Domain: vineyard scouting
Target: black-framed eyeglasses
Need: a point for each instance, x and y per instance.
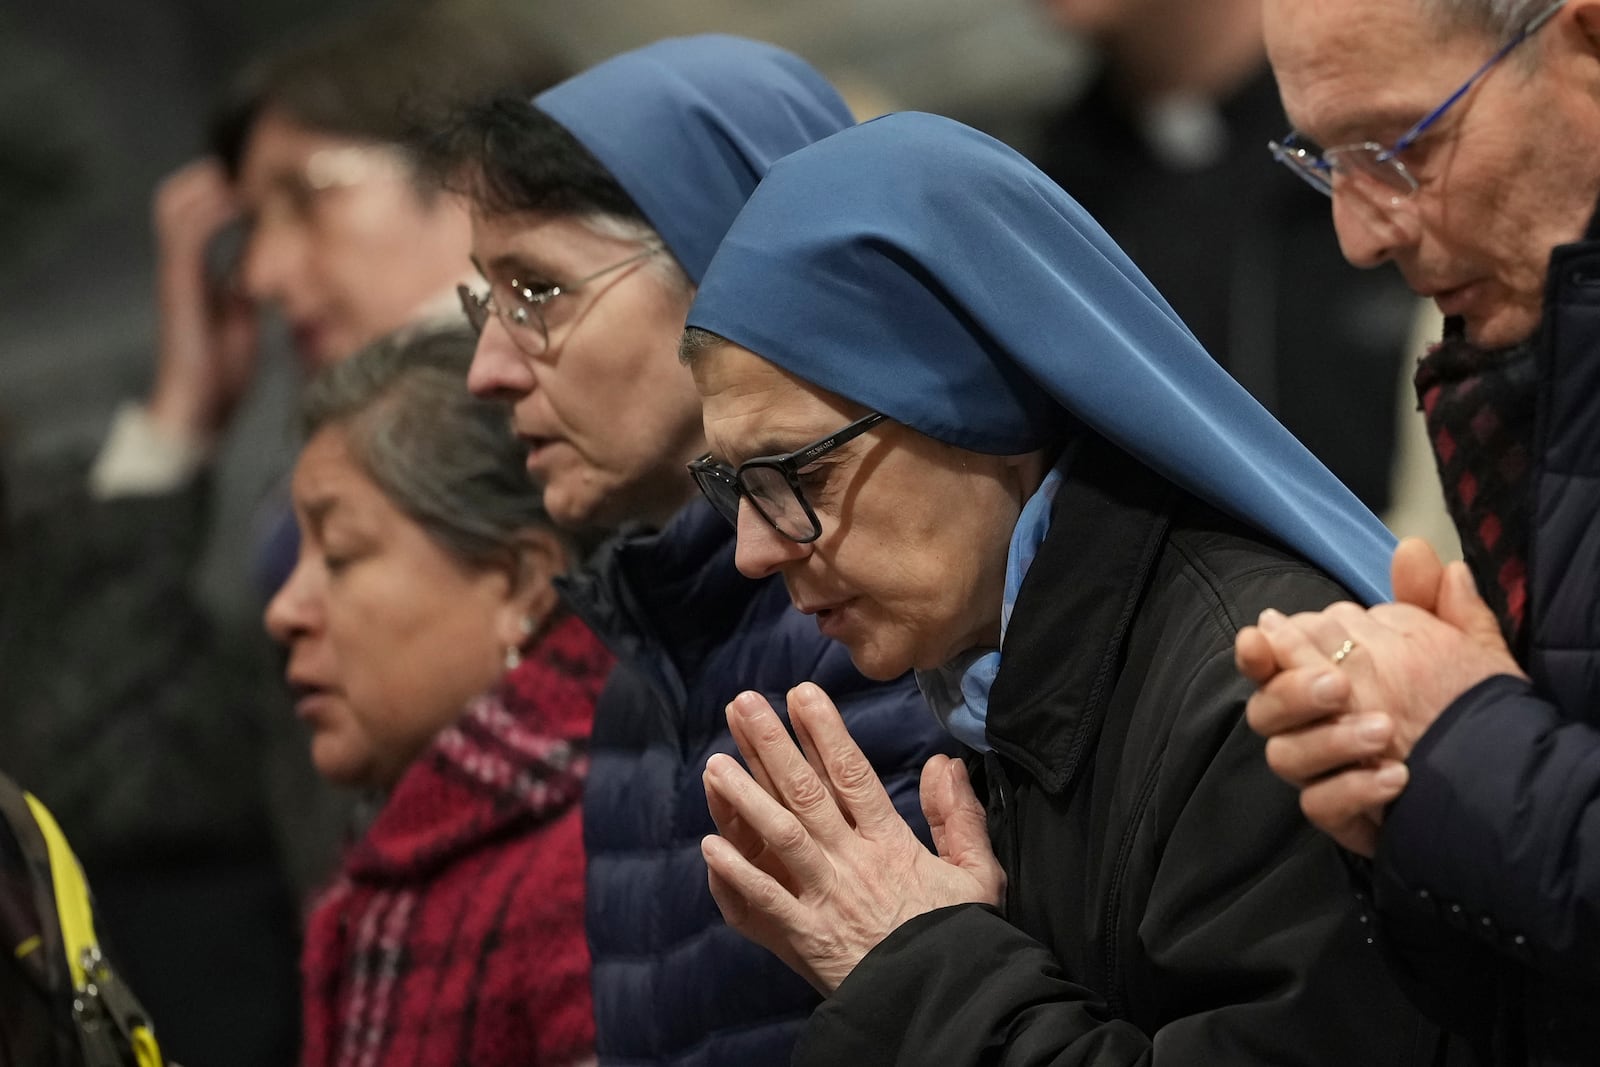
(521, 309)
(772, 483)
(1371, 159)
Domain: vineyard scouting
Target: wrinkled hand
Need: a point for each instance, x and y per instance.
(207, 344)
(1340, 733)
(812, 861)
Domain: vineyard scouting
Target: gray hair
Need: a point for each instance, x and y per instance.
(1496, 18)
(443, 457)
(695, 341)
(668, 271)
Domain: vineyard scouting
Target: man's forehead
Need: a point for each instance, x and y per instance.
(1306, 29)
(1354, 68)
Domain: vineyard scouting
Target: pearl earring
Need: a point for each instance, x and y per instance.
(514, 652)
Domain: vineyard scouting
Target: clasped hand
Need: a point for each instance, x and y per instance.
(1340, 731)
(812, 861)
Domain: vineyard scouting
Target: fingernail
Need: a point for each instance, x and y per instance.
(1392, 776)
(747, 704)
(1270, 620)
(1325, 690)
(1373, 729)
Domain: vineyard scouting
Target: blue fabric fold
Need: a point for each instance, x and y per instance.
(688, 126)
(925, 270)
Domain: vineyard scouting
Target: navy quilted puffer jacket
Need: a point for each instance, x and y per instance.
(1497, 836)
(672, 984)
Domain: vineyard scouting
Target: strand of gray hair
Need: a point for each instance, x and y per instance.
(1497, 18)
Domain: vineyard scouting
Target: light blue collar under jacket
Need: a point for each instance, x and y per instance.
(958, 692)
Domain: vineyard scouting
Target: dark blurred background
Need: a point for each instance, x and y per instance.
(99, 100)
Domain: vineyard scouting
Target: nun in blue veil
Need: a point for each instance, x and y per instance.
(595, 214)
(975, 442)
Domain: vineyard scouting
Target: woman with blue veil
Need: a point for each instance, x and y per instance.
(976, 443)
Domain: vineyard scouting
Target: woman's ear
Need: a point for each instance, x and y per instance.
(532, 598)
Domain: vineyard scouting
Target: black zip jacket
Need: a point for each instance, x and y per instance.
(1167, 901)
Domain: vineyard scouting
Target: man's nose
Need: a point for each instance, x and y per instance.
(1373, 225)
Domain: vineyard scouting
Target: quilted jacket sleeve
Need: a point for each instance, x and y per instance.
(1498, 832)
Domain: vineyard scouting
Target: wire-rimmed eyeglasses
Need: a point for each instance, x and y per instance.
(521, 309)
(1371, 159)
(772, 483)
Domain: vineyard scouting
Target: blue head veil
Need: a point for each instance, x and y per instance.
(927, 271)
(688, 126)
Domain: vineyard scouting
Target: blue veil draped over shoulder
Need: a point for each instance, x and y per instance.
(688, 125)
(925, 270)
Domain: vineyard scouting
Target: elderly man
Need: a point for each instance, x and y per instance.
(1456, 740)
(595, 212)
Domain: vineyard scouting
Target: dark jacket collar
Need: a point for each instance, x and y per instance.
(1072, 616)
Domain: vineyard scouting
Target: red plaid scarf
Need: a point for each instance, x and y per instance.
(1479, 405)
(454, 933)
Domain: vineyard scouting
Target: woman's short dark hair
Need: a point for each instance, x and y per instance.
(443, 457)
(507, 157)
(382, 76)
